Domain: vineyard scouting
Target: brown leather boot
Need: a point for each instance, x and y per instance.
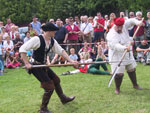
(64, 99)
(132, 76)
(118, 81)
(45, 101)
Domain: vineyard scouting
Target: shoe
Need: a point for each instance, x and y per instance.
(66, 73)
(137, 87)
(117, 91)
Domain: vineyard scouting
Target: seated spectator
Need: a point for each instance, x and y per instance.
(93, 53)
(143, 52)
(101, 49)
(32, 31)
(86, 45)
(12, 33)
(85, 56)
(17, 42)
(27, 37)
(8, 46)
(73, 56)
(11, 61)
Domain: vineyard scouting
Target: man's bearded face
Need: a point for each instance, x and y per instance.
(119, 29)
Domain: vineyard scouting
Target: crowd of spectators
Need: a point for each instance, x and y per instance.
(82, 37)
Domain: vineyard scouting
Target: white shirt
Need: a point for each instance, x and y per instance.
(10, 45)
(87, 27)
(34, 43)
(117, 43)
(106, 24)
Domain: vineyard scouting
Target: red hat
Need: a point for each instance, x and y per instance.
(119, 21)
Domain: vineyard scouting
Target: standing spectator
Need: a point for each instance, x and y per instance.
(111, 21)
(90, 20)
(61, 34)
(147, 26)
(8, 25)
(86, 29)
(76, 21)
(99, 28)
(66, 22)
(1, 56)
(122, 15)
(131, 29)
(36, 25)
(140, 35)
(73, 34)
(52, 21)
(106, 22)
(27, 37)
(32, 31)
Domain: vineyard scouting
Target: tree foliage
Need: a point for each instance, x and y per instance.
(22, 11)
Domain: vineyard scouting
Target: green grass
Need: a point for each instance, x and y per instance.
(21, 93)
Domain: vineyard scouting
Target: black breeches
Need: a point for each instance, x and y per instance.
(43, 74)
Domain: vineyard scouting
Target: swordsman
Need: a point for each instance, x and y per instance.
(41, 45)
(118, 42)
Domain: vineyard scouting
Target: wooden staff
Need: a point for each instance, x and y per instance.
(118, 66)
(60, 65)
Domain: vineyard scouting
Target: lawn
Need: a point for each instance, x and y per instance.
(21, 93)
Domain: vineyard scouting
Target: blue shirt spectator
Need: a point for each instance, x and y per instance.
(36, 25)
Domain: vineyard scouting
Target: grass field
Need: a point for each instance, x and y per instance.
(21, 93)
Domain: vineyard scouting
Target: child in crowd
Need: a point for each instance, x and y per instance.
(11, 61)
(73, 56)
(85, 56)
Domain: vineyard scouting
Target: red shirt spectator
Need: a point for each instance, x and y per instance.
(140, 31)
(100, 28)
(72, 36)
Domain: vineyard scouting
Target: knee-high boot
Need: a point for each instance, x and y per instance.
(45, 101)
(132, 76)
(118, 81)
(64, 99)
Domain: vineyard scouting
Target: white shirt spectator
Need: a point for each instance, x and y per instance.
(86, 27)
(10, 45)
